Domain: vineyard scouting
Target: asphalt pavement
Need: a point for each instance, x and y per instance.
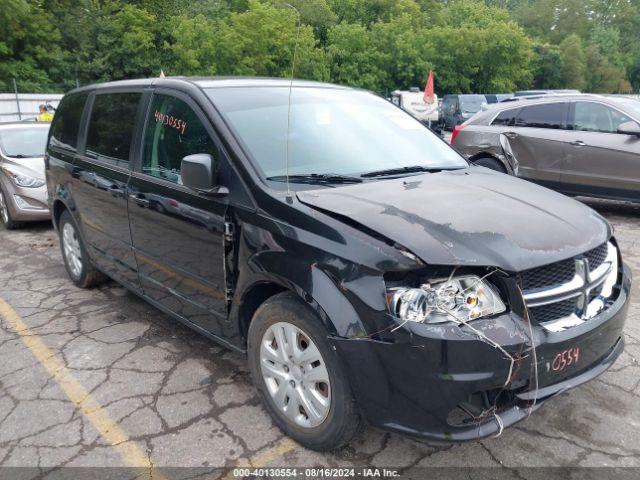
(99, 378)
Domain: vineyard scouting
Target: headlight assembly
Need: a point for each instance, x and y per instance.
(458, 298)
(22, 180)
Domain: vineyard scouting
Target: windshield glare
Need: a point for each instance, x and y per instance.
(471, 104)
(23, 142)
(333, 131)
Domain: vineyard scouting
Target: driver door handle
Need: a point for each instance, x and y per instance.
(139, 200)
(578, 143)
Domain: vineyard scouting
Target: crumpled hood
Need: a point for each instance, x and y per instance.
(469, 217)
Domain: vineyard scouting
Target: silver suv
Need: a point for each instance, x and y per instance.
(576, 144)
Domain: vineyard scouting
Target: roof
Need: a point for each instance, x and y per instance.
(209, 82)
(517, 102)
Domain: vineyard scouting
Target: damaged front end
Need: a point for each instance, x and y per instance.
(465, 353)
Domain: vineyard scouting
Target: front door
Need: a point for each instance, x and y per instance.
(600, 160)
(100, 175)
(537, 141)
(178, 233)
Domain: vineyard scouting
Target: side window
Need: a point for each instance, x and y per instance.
(596, 117)
(66, 121)
(505, 118)
(112, 125)
(173, 131)
(547, 115)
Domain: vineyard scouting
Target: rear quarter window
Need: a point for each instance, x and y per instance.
(505, 118)
(66, 122)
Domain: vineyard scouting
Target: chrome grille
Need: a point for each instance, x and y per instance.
(559, 272)
(567, 293)
(547, 275)
(596, 256)
(552, 311)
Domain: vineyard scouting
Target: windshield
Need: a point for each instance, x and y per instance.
(335, 131)
(23, 142)
(630, 105)
(472, 104)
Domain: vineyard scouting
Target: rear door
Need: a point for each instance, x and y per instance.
(178, 233)
(100, 176)
(537, 141)
(63, 144)
(601, 161)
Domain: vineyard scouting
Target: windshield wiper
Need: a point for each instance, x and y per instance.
(317, 178)
(400, 171)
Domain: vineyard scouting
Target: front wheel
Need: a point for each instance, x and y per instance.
(74, 254)
(299, 376)
(5, 215)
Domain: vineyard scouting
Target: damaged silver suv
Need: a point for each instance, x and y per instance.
(374, 275)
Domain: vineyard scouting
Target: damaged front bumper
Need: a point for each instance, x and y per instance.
(442, 382)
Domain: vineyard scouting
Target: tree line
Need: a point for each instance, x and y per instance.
(485, 46)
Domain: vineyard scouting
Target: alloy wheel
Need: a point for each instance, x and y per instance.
(295, 375)
(4, 212)
(72, 251)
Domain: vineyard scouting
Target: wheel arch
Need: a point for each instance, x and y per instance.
(497, 158)
(319, 293)
(56, 212)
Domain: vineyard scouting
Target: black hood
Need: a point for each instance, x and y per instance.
(469, 217)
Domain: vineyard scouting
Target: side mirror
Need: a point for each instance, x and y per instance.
(197, 172)
(629, 128)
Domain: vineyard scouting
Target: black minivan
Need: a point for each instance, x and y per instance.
(367, 270)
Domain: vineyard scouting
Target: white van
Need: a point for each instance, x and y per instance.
(413, 102)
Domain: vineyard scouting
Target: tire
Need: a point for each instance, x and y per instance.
(74, 254)
(5, 214)
(340, 420)
(491, 163)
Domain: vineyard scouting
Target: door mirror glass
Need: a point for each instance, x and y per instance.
(629, 128)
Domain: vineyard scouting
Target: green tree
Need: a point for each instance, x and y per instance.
(28, 46)
(547, 66)
(574, 68)
(353, 59)
(261, 41)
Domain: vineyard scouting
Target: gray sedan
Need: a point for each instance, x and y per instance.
(578, 144)
(23, 192)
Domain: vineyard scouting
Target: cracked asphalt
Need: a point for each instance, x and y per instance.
(166, 397)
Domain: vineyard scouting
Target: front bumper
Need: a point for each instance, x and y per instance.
(417, 386)
(26, 204)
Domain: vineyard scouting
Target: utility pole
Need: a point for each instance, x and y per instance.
(15, 89)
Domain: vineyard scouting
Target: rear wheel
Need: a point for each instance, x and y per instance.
(74, 254)
(491, 163)
(5, 215)
(299, 376)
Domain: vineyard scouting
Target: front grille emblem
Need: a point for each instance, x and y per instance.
(583, 271)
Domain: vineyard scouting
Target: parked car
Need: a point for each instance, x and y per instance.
(367, 270)
(23, 192)
(497, 97)
(578, 145)
(413, 102)
(456, 109)
(529, 93)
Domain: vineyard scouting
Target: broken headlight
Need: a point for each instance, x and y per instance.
(458, 298)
